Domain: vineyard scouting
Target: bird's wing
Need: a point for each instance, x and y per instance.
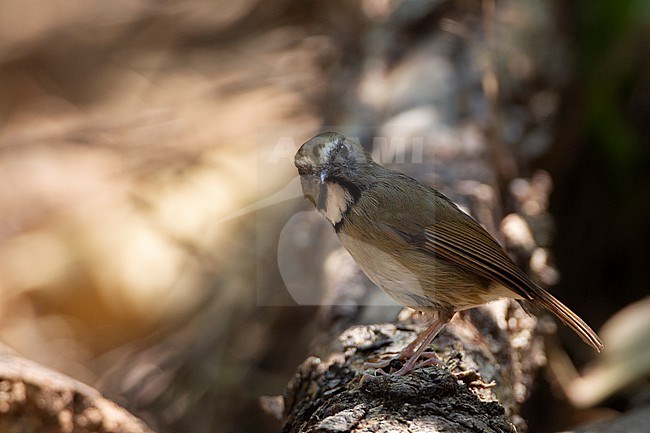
(441, 229)
(471, 247)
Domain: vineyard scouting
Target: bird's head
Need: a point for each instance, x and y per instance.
(330, 167)
(330, 156)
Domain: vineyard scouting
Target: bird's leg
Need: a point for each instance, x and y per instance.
(403, 355)
(416, 348)
(425, 338)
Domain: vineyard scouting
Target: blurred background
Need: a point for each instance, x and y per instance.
(146, 175)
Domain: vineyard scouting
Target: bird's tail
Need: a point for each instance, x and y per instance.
(571, 319)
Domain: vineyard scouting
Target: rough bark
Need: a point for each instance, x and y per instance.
(491, 355)
(36, 399)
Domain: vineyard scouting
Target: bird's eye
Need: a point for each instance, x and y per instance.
(345, 152)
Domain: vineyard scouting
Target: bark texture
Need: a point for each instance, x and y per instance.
(491, 356)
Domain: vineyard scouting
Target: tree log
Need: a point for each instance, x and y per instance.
(491, 355)
(36, 399)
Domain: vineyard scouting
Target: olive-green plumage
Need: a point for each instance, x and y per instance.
(411, 240)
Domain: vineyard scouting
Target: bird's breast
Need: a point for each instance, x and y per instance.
(330, 198)
(387, 272)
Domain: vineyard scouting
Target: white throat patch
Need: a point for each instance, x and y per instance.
(337, 203)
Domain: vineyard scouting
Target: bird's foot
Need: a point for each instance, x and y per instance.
(412, 363)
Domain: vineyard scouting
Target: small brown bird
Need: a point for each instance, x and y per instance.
(413, 242)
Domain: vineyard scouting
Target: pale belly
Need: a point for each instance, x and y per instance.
(388, 273)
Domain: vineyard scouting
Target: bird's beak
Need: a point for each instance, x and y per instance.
(313, 186)
(322, 176)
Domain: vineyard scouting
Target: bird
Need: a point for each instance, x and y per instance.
(414, 242)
